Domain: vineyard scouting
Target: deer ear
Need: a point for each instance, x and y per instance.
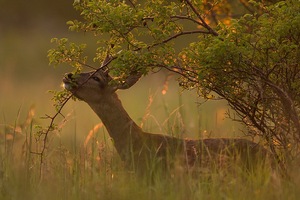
(107, 76)
(129, 81)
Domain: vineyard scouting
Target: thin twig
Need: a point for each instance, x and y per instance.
(186, 18)
(107, 60)
(180, 34)
(205, 25)
(173, 37)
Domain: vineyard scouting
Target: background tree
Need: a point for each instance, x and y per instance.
(252, 61)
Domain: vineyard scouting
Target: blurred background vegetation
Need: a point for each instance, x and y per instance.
(25, 32)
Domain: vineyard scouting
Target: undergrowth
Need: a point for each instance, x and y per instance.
(93, 170)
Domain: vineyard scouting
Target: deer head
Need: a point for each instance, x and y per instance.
(94, 85)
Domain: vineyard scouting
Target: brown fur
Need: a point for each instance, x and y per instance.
(139, 149)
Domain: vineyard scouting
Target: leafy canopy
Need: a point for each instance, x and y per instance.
(139, 35)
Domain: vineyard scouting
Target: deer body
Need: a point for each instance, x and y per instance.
(136, 147)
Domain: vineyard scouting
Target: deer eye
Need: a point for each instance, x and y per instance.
(96, 78)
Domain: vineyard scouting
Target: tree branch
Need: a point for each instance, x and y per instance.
(186, 18)
(178, 35)
(204, 24)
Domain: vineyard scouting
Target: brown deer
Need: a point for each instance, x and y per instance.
(139, 149)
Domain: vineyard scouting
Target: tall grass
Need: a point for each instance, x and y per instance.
(93, 170)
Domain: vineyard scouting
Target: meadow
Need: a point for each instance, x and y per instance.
(81, 162)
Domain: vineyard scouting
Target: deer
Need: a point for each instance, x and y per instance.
(140, 150)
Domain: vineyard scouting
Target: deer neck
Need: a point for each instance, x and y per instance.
(116, 120)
